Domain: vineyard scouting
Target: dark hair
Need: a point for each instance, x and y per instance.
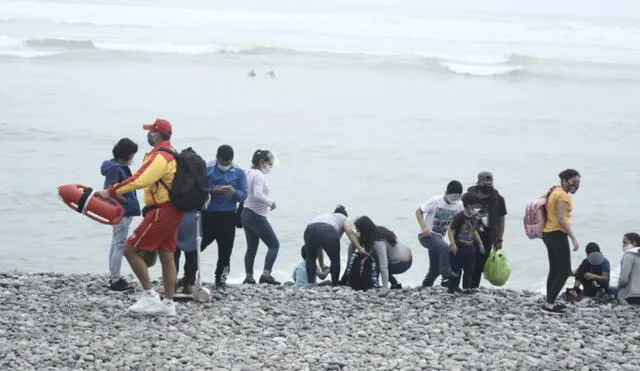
(340, 210)
(225, 153)
(592, 247)
(370, 233)
(124, 149)
(261, 155)
(454, 186)
(164, 136)
(470, 198)
(634, 238)
(303, 252)
(568, 174)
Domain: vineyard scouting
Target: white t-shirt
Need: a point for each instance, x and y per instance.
(438, 214)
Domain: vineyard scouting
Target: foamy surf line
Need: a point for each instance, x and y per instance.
(489, 65)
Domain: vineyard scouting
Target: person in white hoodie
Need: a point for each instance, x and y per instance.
(629, 280)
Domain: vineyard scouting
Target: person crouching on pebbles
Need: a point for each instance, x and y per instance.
(324, 232)
(462, 235)
(159, 228)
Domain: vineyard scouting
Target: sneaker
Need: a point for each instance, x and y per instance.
(187, 289)
(444, 283)
(469, 291)
(249, 281)
(457, 290)
(147, 300)
(220, 284)
(397, 286)
(561, 306)
(269, 280)
(555, 310)
(120, 285)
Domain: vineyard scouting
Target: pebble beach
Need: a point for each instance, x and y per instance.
(72, 322)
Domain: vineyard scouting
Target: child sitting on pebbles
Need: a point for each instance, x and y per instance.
(462, 235)
(300, 271)
(593, 272)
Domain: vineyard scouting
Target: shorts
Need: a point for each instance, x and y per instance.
(158, 230)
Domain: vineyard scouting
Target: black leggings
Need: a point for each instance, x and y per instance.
(559, 253)
(220, 227)
(322, 235)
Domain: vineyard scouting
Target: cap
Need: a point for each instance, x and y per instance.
(454, 187)
(485, 176)
(160, 125)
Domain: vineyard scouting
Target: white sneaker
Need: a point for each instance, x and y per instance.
(168, 308)
(147, 300)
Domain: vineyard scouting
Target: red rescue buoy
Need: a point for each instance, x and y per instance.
(83, 200)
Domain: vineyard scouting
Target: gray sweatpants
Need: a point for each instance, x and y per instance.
(119, 239)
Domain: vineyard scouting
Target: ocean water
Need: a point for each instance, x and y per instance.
(375, 105)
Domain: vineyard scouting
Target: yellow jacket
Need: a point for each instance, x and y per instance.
(157, 165)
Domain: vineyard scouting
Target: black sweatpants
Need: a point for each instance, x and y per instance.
(190, 266)
(219, 227)
(462, 265)
(322, 235)
(557, 243)
(488, 239)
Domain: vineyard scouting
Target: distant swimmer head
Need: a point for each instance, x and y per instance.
(570, 180)
(341, 210)
(264, 160)
(252, 73)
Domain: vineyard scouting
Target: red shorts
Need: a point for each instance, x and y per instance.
(158, 230)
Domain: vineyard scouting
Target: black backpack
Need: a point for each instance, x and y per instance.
(361, 272)
(189, 190)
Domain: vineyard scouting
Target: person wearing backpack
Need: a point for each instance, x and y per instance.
(158, 230)
(392, 256)
(434, 217)
(324, 233)
(556, 235)
(227, 183)
(254, 217)
(492, 214)
(117, 170)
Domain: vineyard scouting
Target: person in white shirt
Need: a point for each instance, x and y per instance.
(254, 217)
(434, 218)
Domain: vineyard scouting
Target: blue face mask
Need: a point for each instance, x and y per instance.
(224, 168)
(150, 140)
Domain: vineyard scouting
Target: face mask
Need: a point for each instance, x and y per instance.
(150, 139)
(573, 188)
(476, 210)
(453, 198)
(224, 168)
(627, 247)
(266, 169)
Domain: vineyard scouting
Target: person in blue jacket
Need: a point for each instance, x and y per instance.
(117, 170)
(228, 186)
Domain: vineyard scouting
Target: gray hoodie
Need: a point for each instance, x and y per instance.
(629, 281)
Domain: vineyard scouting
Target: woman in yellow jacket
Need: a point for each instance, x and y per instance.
(557, 232)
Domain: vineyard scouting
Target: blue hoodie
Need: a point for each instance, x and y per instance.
(115, 172)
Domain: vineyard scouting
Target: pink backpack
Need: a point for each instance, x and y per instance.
(535, 216)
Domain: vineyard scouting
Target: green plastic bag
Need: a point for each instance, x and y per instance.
(497, 270)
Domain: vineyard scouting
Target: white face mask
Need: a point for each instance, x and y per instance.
(224, 168)
(627, 247)
(453, 198)
(266, 169)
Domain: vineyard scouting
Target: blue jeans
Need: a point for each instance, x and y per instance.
(438, 258)
(119, 239)
(463, 260)
(256, 228)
